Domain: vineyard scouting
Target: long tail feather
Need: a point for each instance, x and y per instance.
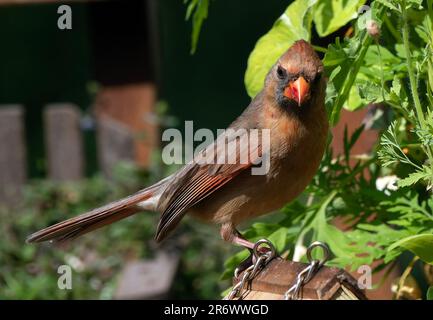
(94, 219)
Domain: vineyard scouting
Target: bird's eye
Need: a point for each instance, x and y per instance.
(281, 73)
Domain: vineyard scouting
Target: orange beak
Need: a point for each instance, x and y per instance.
(297, 90)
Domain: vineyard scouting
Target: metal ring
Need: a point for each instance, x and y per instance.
(257, 254)
(325, 249)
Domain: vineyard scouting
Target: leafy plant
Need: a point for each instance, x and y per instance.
(385, 63)
(30, 271)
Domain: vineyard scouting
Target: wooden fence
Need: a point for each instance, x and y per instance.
(63, 146)
(140, 279)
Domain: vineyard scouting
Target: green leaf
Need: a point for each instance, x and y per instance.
(328, 233)
(200, 9)
(278, 239)
(389, 4)
(374, 52)
(344, 55)
(335, 55)
(355, 136)
(396, 86)
(294, 24)
(417, 4)
(232, 262)
(421, 245)
(331, 15)
(414, 178)
(430, 293)
(354, 100)
(369, 91)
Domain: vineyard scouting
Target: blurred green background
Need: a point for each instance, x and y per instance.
(41, 64)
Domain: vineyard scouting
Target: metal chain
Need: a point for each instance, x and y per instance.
(294, 292)
(251, 272)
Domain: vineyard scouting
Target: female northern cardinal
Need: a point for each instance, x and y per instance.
(291, 106)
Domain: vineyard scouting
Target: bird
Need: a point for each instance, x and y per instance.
(291, 106)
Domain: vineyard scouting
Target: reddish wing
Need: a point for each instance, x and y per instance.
(197, 181)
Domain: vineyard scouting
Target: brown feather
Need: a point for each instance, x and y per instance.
(94, 219)
(195, 182)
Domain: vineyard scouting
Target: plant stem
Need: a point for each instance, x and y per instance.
(386, 274)
(353, 72)
(430, 10)
(410, 71)
(349, 179)
(320, 49)
(391, 29)
(382, 76)
(412, 79)
(403, 277)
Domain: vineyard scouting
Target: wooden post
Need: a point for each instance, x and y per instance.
(115, 144)
(13, 169)
(148, 279)
(63, 142)
(132, 105)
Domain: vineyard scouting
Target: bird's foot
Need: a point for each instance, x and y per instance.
(257, 250)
